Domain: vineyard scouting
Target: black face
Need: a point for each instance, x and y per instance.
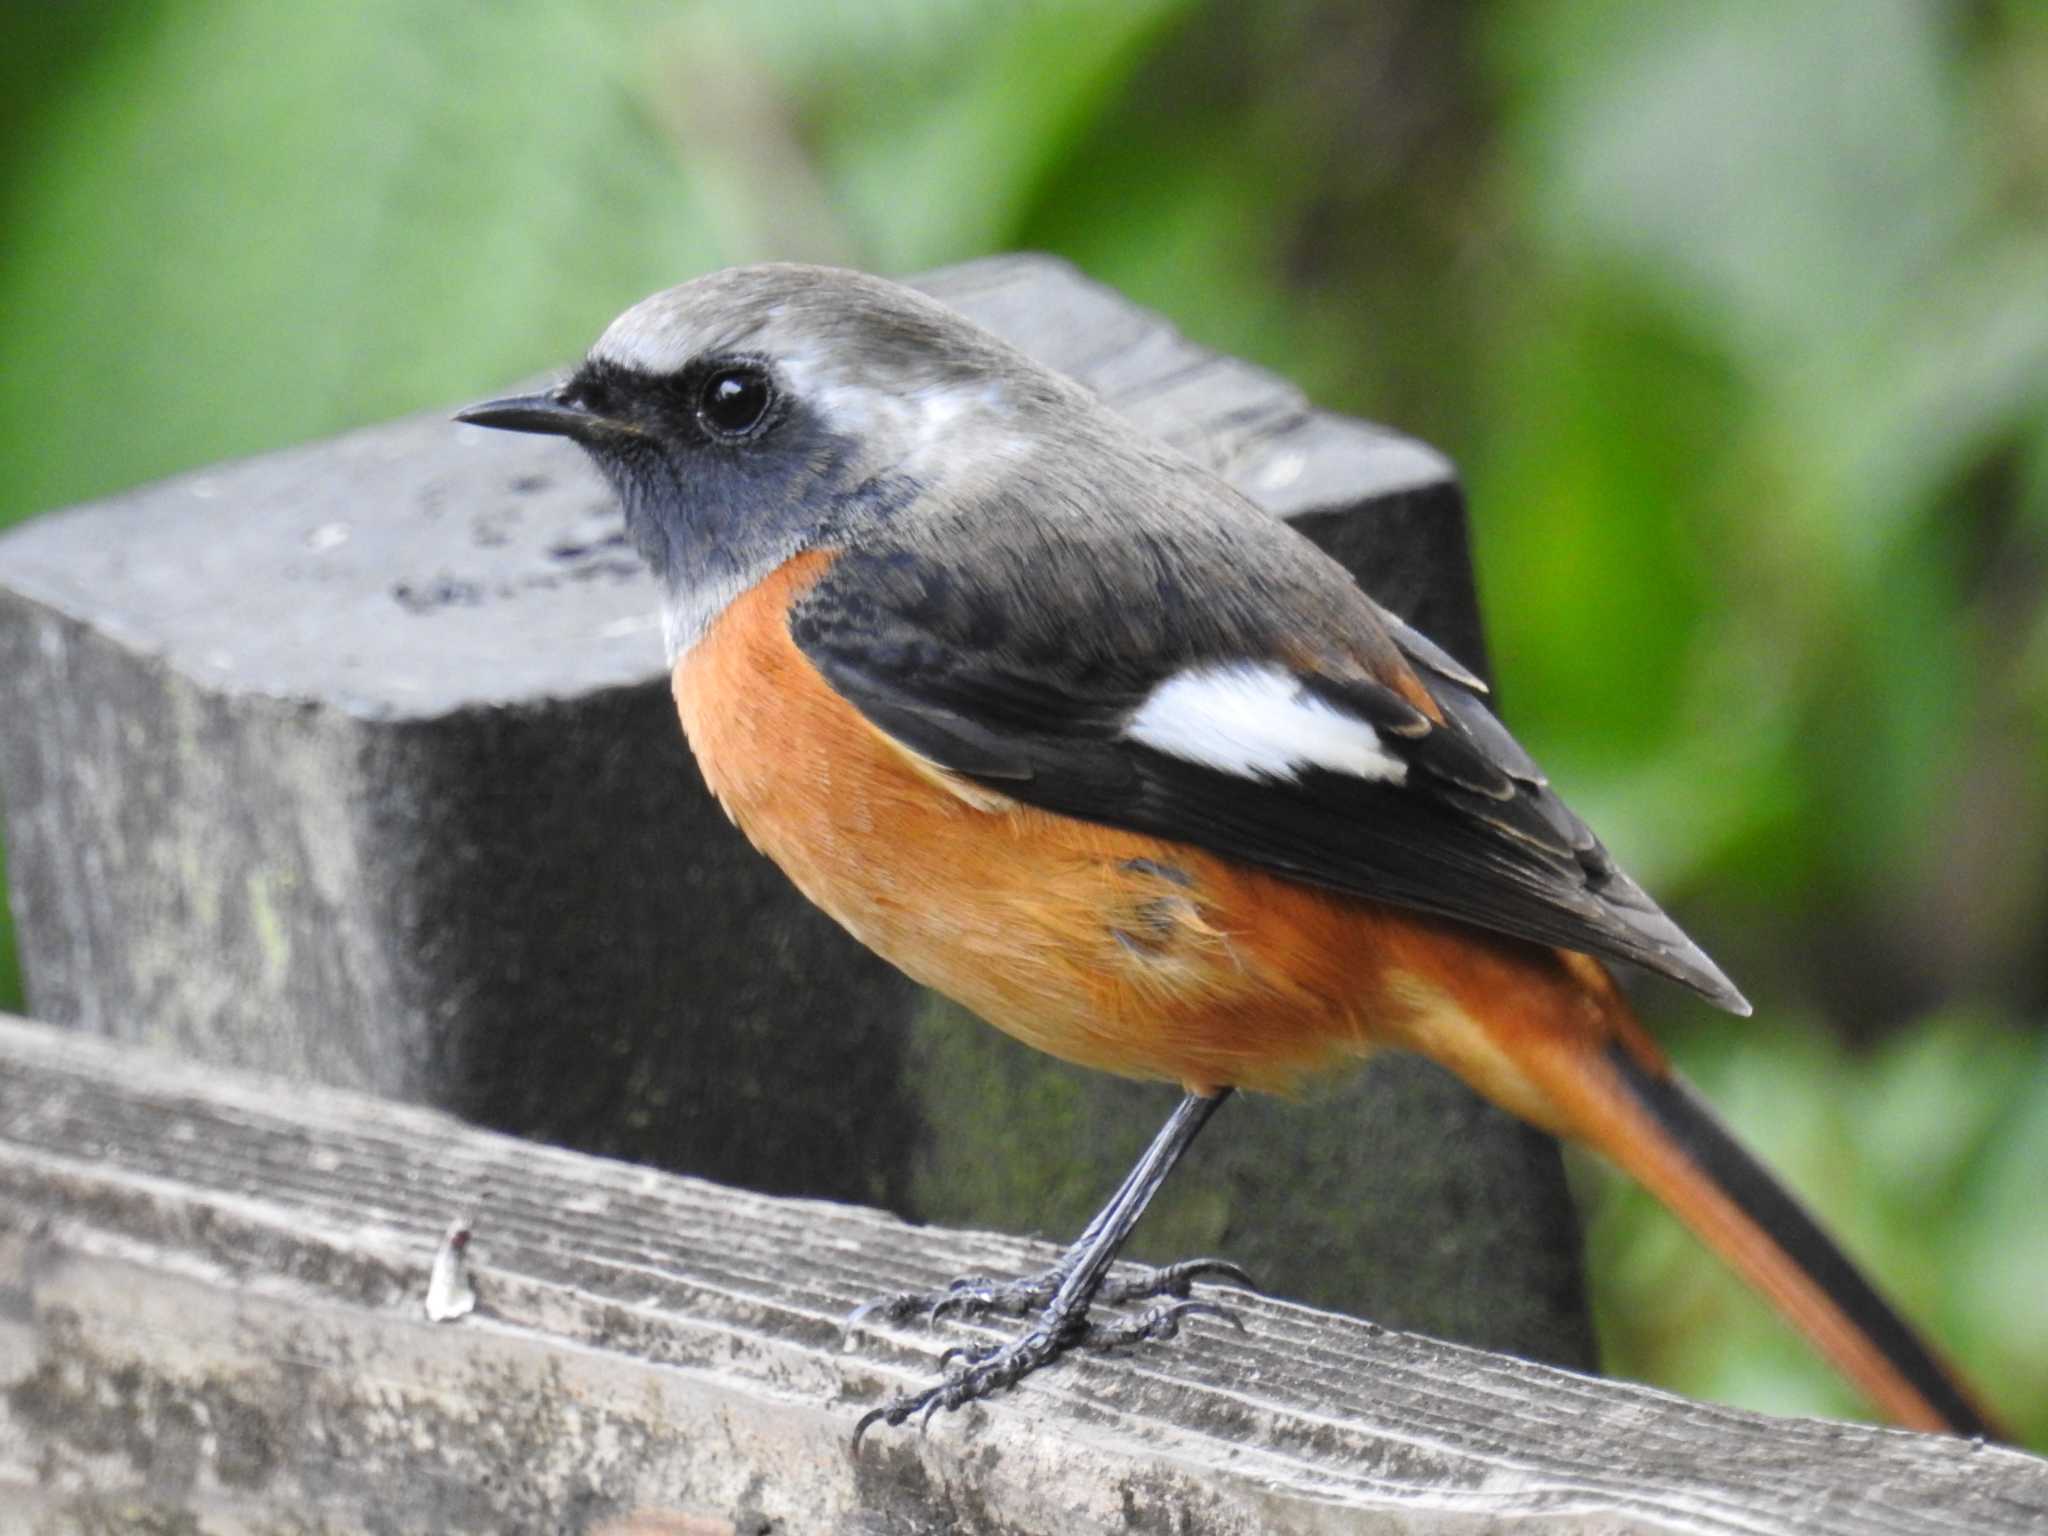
(718, 465)
(717, 401)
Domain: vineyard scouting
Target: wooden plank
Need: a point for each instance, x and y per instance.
(211, 1312)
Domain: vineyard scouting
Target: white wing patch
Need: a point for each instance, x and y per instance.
(1254, 719)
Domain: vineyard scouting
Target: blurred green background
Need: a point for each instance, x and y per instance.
(1735, 317)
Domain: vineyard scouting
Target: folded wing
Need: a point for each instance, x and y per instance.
(1368, 763)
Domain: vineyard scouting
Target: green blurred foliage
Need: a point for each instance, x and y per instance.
(1733, 315)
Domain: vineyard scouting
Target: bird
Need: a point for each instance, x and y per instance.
(1055, 720)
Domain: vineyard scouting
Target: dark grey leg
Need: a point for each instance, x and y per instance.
(1067, 1290)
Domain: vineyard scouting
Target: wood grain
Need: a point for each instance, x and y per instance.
(211, 1309)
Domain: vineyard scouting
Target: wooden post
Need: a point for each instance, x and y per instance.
(356, 763)
(211, 1319)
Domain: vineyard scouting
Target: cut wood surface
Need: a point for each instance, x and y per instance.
(212, 1320)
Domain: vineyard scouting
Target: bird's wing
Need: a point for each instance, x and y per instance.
(1289, 725)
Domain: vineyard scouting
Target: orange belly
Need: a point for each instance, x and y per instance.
(1108, 948)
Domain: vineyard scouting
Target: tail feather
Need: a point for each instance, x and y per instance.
(1647, 1120)
(1549, 1036)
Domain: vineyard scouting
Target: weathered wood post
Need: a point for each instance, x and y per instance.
(356, 763)
(211, 1320)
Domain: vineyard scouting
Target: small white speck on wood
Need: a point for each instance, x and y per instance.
(450, 1292)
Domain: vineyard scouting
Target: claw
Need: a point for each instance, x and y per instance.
(1175, 1280)
(968, 1297)
(1157, 1325)
(868, 1421)
(1170, 1318)
(887, 1309)
(1219, 1271)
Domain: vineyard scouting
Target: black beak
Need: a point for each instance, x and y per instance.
(550, 414)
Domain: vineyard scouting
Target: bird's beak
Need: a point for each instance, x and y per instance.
(549, 413)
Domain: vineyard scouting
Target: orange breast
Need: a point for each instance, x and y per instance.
(1118, 951)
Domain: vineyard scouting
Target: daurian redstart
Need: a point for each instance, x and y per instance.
(1055, 720)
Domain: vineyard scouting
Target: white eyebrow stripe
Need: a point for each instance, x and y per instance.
(1257, 721)
(656, 337)
(645, 338)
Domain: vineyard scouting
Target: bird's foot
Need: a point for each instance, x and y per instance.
(978, 1296)
(974, 1373)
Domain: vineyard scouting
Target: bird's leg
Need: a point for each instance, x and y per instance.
(1066, 1291)
(975, 1296)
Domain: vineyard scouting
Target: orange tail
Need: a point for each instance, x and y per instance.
(1622, 1098)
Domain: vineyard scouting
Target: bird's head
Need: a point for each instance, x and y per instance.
(761, 411)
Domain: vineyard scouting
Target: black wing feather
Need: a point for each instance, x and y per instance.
(1037, 710)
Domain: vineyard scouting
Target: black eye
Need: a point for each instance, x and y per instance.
(734, 401)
